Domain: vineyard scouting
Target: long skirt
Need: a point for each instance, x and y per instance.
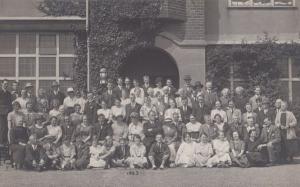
(218, 159)
(241, 161)
(200, 160)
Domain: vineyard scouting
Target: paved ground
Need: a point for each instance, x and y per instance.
(285, 175)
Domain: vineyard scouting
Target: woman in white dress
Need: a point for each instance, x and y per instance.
(95, 151)
(137, 157)
(203, 151)
(221, 148)
(185, 153)
(54, 132)
(135, 128)
(193, 128)
(173, 109)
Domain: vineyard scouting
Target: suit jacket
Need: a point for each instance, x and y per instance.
(129, 109)
(291, 122)
(37, 154)
(150, 134)
(253, 103)
(101, 131)
(199, 112)
(5, 102)
(241, 129)
(159, 152)
(185, 115)
(261, 115)
(90, 110)
(120, 153)
(118, 91)
(210, 99)
(60, 96)
(270, 134)
(109, 98)
(240, 102)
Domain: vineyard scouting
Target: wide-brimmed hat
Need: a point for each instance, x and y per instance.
(70, 89)
(28, 85)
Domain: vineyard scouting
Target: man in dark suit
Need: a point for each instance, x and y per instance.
(171, 88)
(265, 112)
(90, 109)
(118, 89)
(35, 155)
(109, 95)
(5, 108)
(55, 93)
(270, 138)
(133, 106)
(121, 154)
(200, 110)
(210, 97)
(185, 110)
(102, 129)
(159, 153)
(128, 85)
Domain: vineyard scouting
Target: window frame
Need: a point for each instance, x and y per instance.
(272, 5)
(37, 57)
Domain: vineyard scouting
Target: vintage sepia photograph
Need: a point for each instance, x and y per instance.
(149, 93)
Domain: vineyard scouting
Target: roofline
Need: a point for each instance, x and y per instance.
(45, 18)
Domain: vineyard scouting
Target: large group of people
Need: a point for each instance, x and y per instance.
(143, 126)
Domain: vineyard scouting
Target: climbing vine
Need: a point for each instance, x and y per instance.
(117, 28)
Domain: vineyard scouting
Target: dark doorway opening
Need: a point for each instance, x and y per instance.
(154, 62)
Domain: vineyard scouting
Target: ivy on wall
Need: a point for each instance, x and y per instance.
(117, 28)
(255, 64)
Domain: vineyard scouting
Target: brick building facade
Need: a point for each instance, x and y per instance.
(37, 48)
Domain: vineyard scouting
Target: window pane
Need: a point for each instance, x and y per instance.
(296, 91)
(240, 3)
(66, 67)
(7, 43)
(66, 43)
(27, 43)
(23, 83)
(47, 44)
(283, 2)
(47, 67)
(284, 90)
(283, 65)
(27, 67)
(262, 2)
(296, 68)
(7, 67)
(64, 85)
(45, 84)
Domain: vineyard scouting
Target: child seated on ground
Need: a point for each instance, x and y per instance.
(137, 157)
(67, 155)
(95, 151)
(52, 156)
(121, 154)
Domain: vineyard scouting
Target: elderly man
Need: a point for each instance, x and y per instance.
(270, 138)
(233, 111)
(5, 108)
(30, 95)
(118, 89)
(159, 153)
(265, 112)
(278, 105)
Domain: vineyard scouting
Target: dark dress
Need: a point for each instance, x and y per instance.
(68, 132)
(82, 156)
(39, 132)
(19, 138)
(102, 130)
(5, 108)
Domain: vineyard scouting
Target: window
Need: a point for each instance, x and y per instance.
(261, 3)
(27, 67)
(7, 67)
(39, 58)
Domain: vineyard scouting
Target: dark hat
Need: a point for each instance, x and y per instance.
(187, 77)
(266, 101)
(198, 84)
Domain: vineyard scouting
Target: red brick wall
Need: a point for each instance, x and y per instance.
(193, 26)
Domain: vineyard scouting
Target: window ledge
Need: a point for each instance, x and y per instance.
(262, 7)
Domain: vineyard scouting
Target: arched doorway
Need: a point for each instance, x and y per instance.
(154, 62)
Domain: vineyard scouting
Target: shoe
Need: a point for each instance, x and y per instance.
(161, 167)
(154, 167)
